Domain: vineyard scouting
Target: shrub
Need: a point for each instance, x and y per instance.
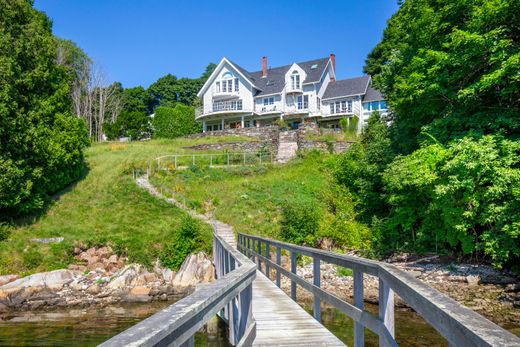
(135, 125)
(5, 231)
(463, 198)
(175, 122)
(300, 221)
(191, 237)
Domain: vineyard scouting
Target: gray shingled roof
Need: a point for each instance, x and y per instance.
(275, 80)
(351, 86)
(373, 95)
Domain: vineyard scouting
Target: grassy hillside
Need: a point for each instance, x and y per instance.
(105, 206)
(265, 200)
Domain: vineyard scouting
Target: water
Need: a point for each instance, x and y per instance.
(88, 327)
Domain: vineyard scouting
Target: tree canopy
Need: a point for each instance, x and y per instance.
(41, 142)
(451, 69)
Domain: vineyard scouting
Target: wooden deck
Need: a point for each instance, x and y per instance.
(282, 322)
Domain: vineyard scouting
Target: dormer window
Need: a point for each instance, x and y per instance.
(295, 80)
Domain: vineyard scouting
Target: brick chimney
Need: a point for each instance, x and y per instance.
(333, 61)
(264, 66)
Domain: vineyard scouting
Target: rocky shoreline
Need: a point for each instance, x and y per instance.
(494, 294)
(102, 278)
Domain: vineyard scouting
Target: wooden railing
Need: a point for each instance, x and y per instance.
(459, 325)
(229, 296)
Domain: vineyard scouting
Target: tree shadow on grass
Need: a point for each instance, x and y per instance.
(35, 217)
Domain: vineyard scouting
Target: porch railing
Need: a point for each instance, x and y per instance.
(229, 296)
(459, 325)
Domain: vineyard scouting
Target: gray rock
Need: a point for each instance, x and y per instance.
(125, 276)
(195, 269)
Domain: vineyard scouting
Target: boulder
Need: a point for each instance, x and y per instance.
(139, 294)
(7, 279)
(125, 276)
(195, 269)
(473, 280)
(53, 280)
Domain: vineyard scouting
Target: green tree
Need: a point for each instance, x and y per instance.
(175, 122)
(359, 169)
(135, 125)
(451, 68)
(463, 198)
(163, 92)
(136, 99)
(41, 142)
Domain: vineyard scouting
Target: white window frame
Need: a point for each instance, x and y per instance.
(295, 80)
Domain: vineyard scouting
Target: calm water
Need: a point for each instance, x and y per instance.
(88, 327)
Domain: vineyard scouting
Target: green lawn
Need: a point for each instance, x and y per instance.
(104, 206)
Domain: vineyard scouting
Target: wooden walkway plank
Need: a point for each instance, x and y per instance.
(282, 322)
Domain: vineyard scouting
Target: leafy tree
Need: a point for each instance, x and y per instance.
(136, 99)
(451, 68)
(163, 92)
(41, 142)
(464, 198)
(135, 125)
(175, 122)
(359, 169)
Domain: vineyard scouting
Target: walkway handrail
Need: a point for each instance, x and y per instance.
(177, 324)
(459, 325)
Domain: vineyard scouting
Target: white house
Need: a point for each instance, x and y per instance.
(235, 98)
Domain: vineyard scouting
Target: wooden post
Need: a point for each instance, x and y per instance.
(293, 270)
(193, 159)
(267, 255)
(249, 246)
(386, 309)
(279, 263)
(210, 160)
(259, 252)
(175, 162)
(359, 330)
(316, 279)
(189, 342)
(244, 158)
(246, 312)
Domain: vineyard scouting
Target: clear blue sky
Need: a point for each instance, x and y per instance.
(136, 42)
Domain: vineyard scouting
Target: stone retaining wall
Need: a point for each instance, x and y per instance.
(261, 133)
(336, 146)
(252, 146)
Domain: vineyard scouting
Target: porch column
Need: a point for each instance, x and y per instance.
(203, 126)
(222, 122)
(242, 122)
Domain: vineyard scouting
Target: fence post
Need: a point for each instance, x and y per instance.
(386, 310)
(267, 255)
(210, 160)
(359, 330)
(259, 252)
(316, 277)
(293, 270)
(279, 263)
(193, 159)
(244, 158)
(175, 162)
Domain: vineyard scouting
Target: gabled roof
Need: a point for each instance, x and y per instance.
(348, 87)
(275, 80)
(373, 95)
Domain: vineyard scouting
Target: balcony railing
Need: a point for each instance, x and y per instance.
(266, 108)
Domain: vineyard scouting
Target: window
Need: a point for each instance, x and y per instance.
(230, 86)
(344, 106)
(349, 106)
(303, 102)
(331, 108)
(318, 103)
(375, 105)
(366, 106)
(295, 80)
(218, 87)
(224, 86)
(236, 84)
(226, 83)
(338, 105)
(269, 101)
(382, 105)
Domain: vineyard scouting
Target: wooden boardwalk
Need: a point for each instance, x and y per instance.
(282, 322)
(279, 320)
